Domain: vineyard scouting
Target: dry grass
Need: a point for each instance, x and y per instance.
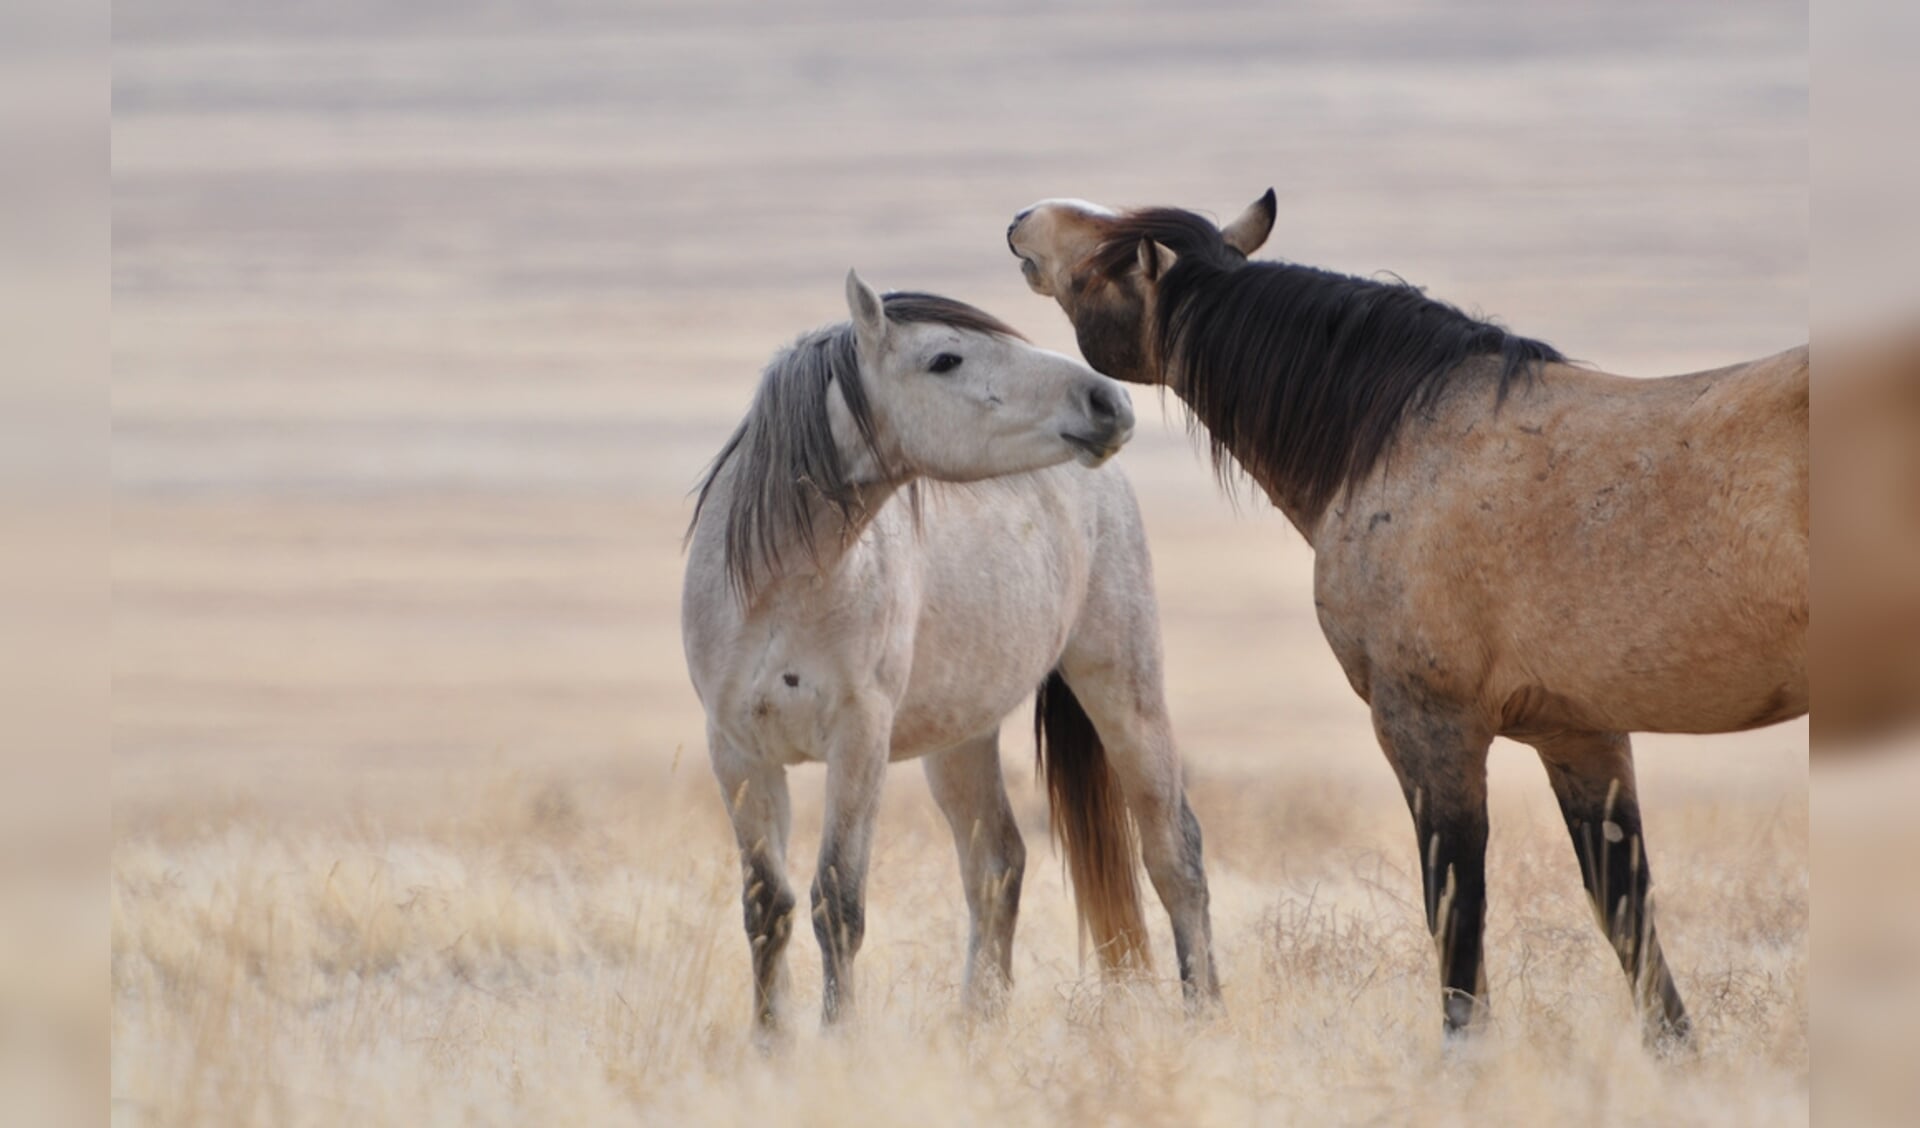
(565, 954)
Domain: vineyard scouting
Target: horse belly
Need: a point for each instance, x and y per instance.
(956, 701)
(1728, 695)
(1696, 636)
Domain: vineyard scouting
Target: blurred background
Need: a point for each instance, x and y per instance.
(426, 321)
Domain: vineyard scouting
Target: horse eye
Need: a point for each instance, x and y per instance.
(945, 362)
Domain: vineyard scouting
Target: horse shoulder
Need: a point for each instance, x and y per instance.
(813, 651)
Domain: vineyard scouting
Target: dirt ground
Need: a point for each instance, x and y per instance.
(424, 326)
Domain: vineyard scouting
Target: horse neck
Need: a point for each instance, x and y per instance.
(1282, 497)
(1279, 493)
(836, 534)
(875, 483)
(1306, 521)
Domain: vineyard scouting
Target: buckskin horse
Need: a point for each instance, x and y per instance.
(1506, 544)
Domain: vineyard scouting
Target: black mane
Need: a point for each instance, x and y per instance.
(1302, 375)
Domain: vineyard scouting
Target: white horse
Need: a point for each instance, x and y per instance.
(836, 611)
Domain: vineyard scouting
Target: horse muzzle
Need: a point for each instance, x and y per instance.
(1109, 423)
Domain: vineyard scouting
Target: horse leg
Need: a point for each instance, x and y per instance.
(1440, 756)
(1592, 774)
(966, 783)
(856, 768)
(756, 796)
(1128, 710)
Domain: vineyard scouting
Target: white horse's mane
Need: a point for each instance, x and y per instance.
(788, 463)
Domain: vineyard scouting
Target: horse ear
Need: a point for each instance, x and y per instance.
(869, 316)
(1155, 259)
(1251, 227)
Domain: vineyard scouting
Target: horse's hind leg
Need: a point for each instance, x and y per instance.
(1128, 710)
(1592, 774)
(756, 795)
(1113, 665)
(1440, 755)
(966, 783)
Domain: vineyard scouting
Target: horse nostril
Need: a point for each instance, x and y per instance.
(1102, 406)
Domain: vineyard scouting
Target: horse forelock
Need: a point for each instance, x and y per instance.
(788, 460)
(1303, 376)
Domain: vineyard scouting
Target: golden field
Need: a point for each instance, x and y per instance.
(423, 328)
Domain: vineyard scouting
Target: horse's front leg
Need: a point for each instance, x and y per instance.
(856, 768)
(755, 791)
(1439, 751)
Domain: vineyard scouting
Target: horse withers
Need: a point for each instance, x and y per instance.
(1506, 544)
(913, 528)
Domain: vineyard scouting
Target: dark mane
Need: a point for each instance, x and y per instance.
(1302, 375)
(789, 464)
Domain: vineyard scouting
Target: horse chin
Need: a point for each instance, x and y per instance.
(1093, 454)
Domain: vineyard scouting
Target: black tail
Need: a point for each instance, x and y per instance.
(1091, 823)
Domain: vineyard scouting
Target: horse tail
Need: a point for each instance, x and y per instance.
(1090, 822)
